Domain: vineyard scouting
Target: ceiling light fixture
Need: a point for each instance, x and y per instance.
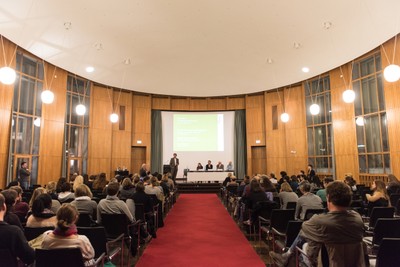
(7, 74)
(348, 95)
(314, 108)
(327, 25)
(270, 61)
(89, 69)
(305, 69)
(296, 45)
(391, 72)
(47, 95)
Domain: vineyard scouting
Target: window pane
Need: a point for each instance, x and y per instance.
(356, 71)
(317, 86)
(16, 94)
(27, 94)
(328, 107)
(370, 96)
(13, 131)
(386, 157)
(372, 134)
(329, 140)
(310, 141)
(38, 110)
(380, 92)
(29, 66)
(85, 142)
(75, 118)
(40, 75)
(74, 166)
(34, 170)
(327, 85)
(309, 118)
(36, 139)
(375, 164)
(86, 116)
(320, 140)
(367, 66)
(322, 165)
(385, 141)
(320, 118)
(378, 62)
(357, 100)
(362, 163)
(68, 109)
(360, 139)
(24, 135)
(75, 141)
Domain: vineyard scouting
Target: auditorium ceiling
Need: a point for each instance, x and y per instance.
(199, 48)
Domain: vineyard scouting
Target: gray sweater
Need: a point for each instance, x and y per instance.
(305, 202)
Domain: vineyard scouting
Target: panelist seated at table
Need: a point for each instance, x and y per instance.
(199, 167)
(229, 167)
(220, 166)
(209, 166)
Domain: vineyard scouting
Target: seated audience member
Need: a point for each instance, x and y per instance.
(100, 182)
(247, 188)
(165, 185)
(349, 180)
(322, 192)
(227, 179)
(10, 197)
(66, 234)
(233, 181)
(146, 180)
(21, 208)
(140, 197)
(12, 183)
(232, 186)
(83, 201)
(143, 170)
(268, 188)
(42, 216)
(60, 181)
(13, 239)
(379, 197)
(127, 189)
(255, 195)
(307, 201)
(272, 178)
(77, 182)
(171, 182)
(229, 167)
(220, 166)
(154, 189)
(113, 205)
(393, 186)
(199, 167)
(339, 226)
(294, 182)
(51, 189)
(246, 181)
(66, 195)
(55, 204)
(286, 195)
(209, 166)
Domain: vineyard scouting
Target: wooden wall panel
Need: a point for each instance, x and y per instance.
(198, 104)
(163, 103)
(6, 98)
(52, 127)
(138, 158)
(180, 103)
(392, 101)
(141, 123)
(343, 124)
(234, 103)
(216, 103)
(100, 132)
(258, 157)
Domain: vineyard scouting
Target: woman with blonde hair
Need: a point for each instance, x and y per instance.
(83, 201)
(77, 182)
(66, 234)
(379, 197)
(286, 195)
(55, 204)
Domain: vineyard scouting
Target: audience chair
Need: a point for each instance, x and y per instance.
(398, 208)
(118, 224)
(98, 239)
(63, 257)
(277, 200)
(283, 240)
(312, 212)
(33, 232)
(384, 228)
(388, 253)
(85, 220)
(291, 205)
(279, 220)
(394, 198)
(378, 212)
(7, 259)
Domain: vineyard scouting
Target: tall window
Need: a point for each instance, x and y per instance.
(76, 126)
(26, 113)
(319, 127)
(371, 121)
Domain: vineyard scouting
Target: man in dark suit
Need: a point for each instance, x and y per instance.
(209, 166)
(173, 163)
(220, 166)
(23, 174)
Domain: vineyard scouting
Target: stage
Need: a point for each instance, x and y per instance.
(206, 176)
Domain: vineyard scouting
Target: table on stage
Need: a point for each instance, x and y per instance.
(204, 176)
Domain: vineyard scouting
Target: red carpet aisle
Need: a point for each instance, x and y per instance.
(199, 232)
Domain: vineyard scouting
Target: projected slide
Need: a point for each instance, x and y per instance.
(198, 132)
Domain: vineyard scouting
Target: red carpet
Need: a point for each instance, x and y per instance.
(199, 232)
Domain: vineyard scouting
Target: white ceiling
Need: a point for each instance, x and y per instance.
(198, 48)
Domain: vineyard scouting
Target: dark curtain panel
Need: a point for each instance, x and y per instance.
(240, 150)
(156, 142)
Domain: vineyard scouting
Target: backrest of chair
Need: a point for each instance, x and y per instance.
(291, 205)
(97, 237)
(139, 212)
(277, 200)
(346, 255)
(232, 189)
(292, 230)
(386, 228)
(380, 212)
(84, 220)
(33, 232)
(115, 224)
(394, 198)
(280, 218)
(7, 259)
(60, 257)
(388, 253)
(398, 207)
(312, 212)
(264, 208)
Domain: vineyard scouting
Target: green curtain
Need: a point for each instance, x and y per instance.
(156, 142)
(240, 149)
